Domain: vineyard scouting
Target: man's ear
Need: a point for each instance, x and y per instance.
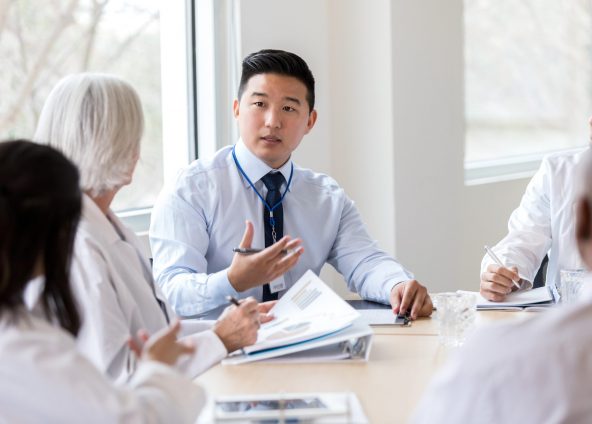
(235, 108)
(312, 118)
(583, 220)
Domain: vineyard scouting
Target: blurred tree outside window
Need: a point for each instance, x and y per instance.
(528, 77)
(42, 41)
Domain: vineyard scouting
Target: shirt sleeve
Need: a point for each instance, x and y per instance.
(179, 240)
(529, 229)
(369, 271)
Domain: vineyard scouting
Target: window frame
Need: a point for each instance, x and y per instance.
(178, 87)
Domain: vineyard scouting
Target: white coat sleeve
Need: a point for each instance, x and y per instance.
(529, 229)
(46, 379)
(209, 351)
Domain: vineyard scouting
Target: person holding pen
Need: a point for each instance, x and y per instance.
(253, 195)
(96, 120)
(526, 371)
(543, 224)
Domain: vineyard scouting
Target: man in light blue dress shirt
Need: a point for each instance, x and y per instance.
(217, 204)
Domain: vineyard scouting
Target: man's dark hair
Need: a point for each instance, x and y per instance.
(40, 203)
(278, 62)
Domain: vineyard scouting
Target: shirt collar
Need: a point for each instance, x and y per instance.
(254, 167)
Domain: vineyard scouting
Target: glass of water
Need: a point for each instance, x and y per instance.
(570, 285)
(456, 315)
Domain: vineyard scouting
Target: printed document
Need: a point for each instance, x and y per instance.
(308, 310)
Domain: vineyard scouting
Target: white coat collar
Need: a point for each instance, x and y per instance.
(103, 225)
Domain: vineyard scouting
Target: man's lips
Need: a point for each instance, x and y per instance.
(271, 139)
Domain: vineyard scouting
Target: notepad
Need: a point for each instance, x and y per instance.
(538, 298)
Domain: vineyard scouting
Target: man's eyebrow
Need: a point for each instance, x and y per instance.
(287, 98)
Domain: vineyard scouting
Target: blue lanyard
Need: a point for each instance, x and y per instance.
(267, 205)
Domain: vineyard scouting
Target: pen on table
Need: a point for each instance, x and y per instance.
(497, 261)
(250, 251)
(234, 301)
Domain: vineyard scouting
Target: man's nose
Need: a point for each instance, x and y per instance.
(272, 119)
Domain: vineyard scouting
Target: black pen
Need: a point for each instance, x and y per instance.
(250, 251)
(234, 301)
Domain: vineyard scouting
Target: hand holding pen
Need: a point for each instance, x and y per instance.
(250, 268)
(238, 326)
(497, 280)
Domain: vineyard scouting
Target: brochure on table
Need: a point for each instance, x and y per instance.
(309, 316)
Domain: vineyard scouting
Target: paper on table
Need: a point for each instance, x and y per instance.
(308, 310)
(377, 316)
(521, 299)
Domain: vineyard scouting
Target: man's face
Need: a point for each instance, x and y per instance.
(273, 116)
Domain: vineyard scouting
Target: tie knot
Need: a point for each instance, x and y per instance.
(273, 181)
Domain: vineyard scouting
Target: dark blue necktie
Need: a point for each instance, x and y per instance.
(273, 182)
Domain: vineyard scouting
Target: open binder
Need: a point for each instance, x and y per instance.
(312, 323)
(352, 343)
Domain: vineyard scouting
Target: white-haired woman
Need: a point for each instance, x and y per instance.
(96, 121)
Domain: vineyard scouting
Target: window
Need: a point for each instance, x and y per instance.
(528, 80)
(40, 43)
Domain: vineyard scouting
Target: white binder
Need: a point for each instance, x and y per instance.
(351, 343)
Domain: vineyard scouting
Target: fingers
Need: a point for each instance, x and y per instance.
(396, 299)
(248, 235)
(492, 296)
(507, 273)
(265, 307)
(185, 347)
(143, 335)
(497, 282)
(409, 290)
(249, 305)
(263, 318)
(418, 301)
(427, 308)
(134, 347)
(413, 297)
(174, 328)
(278, 249)
(286, 263)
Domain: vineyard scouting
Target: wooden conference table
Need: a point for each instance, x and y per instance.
(402, 362)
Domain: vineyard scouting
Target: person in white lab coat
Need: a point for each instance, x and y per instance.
(96, 121)
(43, 377)
(542, 224)
(533, 371)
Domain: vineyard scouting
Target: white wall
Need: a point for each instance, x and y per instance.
(391, 125)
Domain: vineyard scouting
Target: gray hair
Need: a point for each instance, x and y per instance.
(96, 120)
